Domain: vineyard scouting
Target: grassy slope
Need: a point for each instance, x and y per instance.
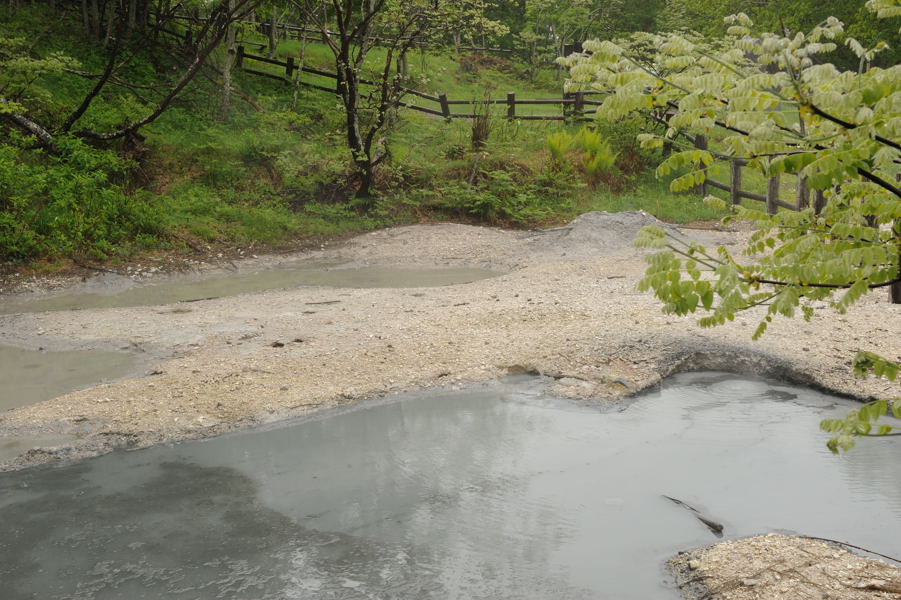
(273, 175)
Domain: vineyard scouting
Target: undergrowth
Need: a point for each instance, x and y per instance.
(268, 174)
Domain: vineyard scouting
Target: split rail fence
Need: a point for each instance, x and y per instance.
(576, 106)
(771, 198)
(573, 104)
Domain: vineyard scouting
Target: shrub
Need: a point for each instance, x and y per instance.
(593, 154)
(68, 205)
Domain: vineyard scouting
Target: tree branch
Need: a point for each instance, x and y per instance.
(821, 113)
(200, 56)
(45, 138)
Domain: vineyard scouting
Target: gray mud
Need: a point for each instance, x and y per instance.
(29, 376)
(494, 491)
(119, 292)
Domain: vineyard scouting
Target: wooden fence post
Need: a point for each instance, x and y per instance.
(239, 58)
(735, 181)
(579, 107)
(819, 201)
(701, 144)
(445, 107)
(289, 67)
(894, 291)
(772, 195)
(511, 106)
(803, 194)
(567, 96)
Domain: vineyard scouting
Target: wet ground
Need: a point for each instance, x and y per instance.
(494, 491)
(118, 292)
(29, 376)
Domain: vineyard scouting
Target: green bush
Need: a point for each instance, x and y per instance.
(508, 197)
(67, 205)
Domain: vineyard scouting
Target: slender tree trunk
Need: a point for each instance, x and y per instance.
(895, 289)
(132, 14)
(299, 73)
(85, 18)
(95, 20)
(227, 67)
(110, 21)
(273, 33)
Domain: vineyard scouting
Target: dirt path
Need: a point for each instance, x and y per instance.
(567, 308)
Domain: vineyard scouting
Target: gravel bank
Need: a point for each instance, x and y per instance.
(780, 567)
(567, 307)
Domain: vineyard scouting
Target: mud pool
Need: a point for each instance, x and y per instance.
(106, 292)
(29, 376)
(495, 491)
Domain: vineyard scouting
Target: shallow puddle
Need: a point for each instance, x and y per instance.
(498, 492)
(29, 376)
(12, 447)
(187, 290)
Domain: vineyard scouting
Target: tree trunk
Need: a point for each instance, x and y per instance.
(110, 21)
(85, 18)
(895, 289)
(273, 33)
(94, 20)
(299, 74)
(227, 67)
(132, 14)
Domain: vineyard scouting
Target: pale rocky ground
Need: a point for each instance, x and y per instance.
(779, 567)
(567, 308)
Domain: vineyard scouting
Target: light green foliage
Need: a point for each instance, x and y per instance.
(598, 158)
(862, 422)
(69, 205)
(467, 22)
(21, 73)
(557, 144)
(787, 111)
(595, 156)
(790, 16)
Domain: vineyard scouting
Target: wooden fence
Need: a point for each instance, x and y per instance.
(574, 106)
(774, 185)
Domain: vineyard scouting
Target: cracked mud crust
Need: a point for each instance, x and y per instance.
(780, 567)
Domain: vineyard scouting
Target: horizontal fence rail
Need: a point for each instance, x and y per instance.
(773, 187)
(573, 104)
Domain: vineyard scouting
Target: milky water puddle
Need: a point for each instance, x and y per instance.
(200, 288)
(28, 376)
(498, 491)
